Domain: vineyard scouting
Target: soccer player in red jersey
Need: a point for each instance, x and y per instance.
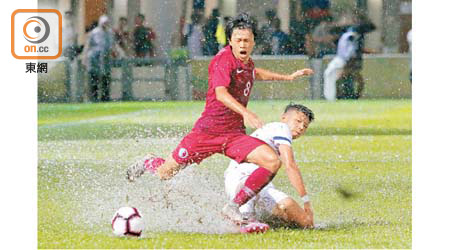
(220, 129)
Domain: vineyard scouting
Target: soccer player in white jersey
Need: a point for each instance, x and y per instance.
(271, 202)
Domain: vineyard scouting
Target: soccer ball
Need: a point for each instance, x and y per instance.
(127, 222)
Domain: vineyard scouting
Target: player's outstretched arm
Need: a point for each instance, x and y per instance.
(294, 175)
(228, 100)
(266, 75)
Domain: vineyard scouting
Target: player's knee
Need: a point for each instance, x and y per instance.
(265, 157)
(169, 169)
(273, 163)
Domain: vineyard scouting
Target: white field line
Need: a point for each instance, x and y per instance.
(93, 120)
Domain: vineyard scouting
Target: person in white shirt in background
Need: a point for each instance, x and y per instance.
(100, 50)
(271, 202)
(346, 49)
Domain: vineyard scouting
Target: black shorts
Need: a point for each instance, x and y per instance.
(354, 64)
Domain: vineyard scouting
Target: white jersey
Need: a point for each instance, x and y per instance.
(274, 134)
(347, 45)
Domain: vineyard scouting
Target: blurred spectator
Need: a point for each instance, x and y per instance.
(346, 49)
(194, 35)
(323, 39)
(409, 39)
(279, 40)
(99, 48)
(211, 46)
(267, 30)
(322, 44)
(220, 34)
(198, 5)
(225, 21)
(69, 37)
(143, 38)
(297, 35)
(70, 50)
(353, 68)
(181, 25)
(314, 11)
(122, 37)
(257, 34)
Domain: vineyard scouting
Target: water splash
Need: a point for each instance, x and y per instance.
(95, 186)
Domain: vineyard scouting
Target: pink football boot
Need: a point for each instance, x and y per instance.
(254, 227)
(149, 163)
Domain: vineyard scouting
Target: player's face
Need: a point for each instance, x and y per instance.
(242, 43)
(139, 21)
(105, 25)
(297, 122)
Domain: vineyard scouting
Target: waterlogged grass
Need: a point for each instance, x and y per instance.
(171, 119)
(66, 113)
(362, 147)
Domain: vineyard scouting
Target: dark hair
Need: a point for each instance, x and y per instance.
(305, 110)
(215, 12)
(270, 14)
(276, 23)
(241, 21)
(327, 18)
(196, 18)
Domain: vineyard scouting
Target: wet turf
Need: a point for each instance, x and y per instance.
(355, 159)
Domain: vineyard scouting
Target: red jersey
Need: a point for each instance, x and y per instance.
(228, 71)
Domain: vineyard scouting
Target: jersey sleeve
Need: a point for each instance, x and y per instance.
(221, 73)
(282, 134)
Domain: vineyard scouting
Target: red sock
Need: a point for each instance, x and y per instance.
(254, 183)
(153, 164)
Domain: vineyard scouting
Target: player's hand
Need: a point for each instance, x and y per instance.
(252, 120)
(302, 72)
(370, 51)
(310, 214)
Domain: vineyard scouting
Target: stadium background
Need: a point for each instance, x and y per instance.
(189, 80)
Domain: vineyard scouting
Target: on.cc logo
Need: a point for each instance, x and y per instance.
(42, 25)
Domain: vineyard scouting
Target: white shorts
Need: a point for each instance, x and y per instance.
(264, 202)
(330, 76)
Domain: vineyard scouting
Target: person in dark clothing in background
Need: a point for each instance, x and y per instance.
(143, 38)
(211, 46)
(279, 40)
(353, 68)
(122, 37)
(267, 31)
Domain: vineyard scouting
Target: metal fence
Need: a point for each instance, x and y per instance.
(386, 76)
(170, 76)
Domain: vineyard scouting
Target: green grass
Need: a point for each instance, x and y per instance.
(361, 146)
